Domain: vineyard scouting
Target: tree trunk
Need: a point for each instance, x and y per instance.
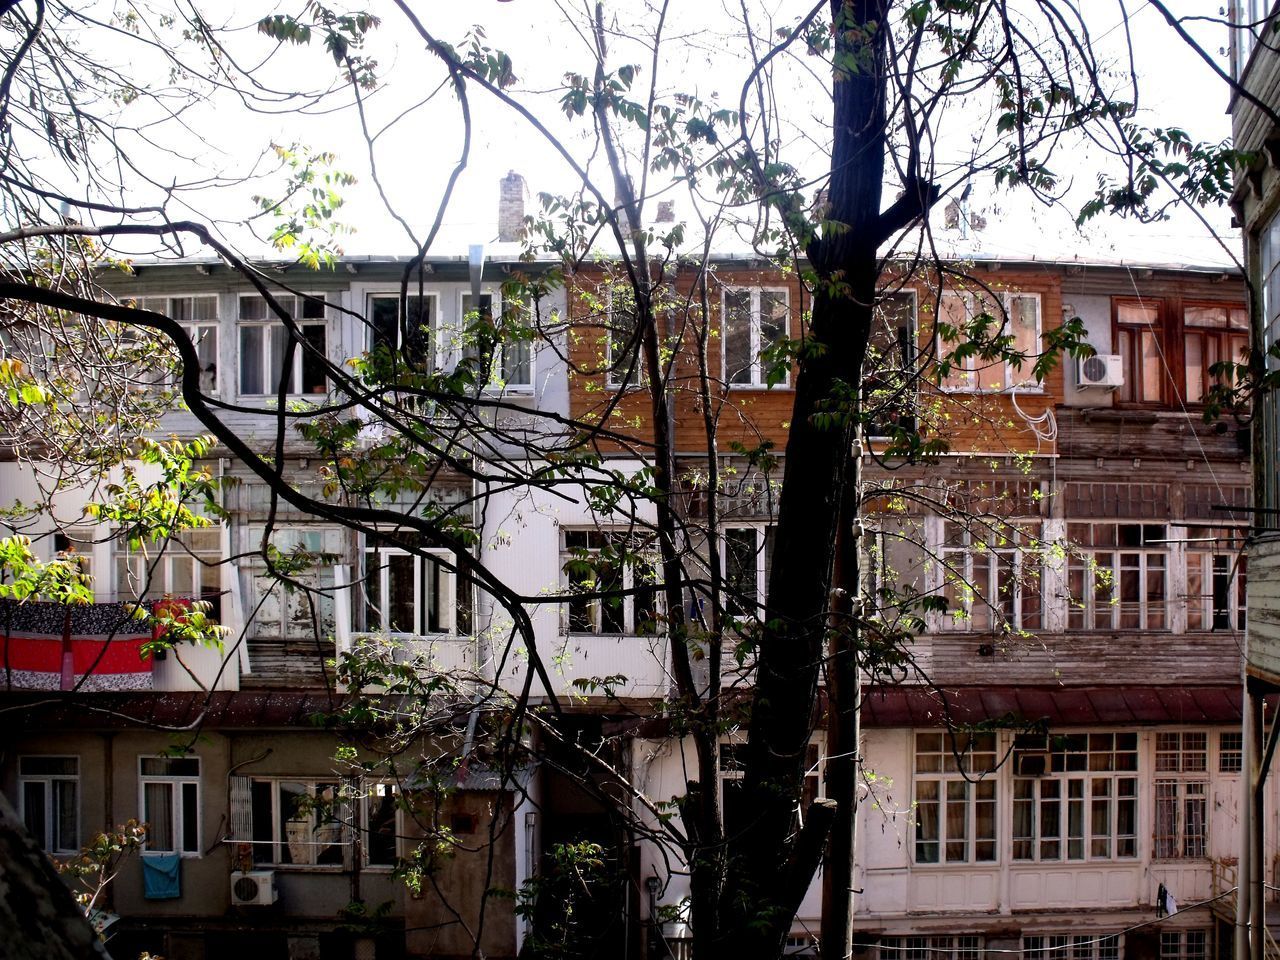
(758, 909)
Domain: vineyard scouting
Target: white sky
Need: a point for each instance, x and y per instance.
(416, 157)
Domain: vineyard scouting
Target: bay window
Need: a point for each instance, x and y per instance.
(754, 320)
(955, 797)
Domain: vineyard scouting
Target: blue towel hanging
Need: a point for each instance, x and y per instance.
(162, 876)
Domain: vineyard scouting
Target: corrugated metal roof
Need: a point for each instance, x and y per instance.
(883, 707)
(1065, 706)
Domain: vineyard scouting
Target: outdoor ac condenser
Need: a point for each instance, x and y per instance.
(253, 888)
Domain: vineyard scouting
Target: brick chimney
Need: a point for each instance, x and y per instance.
(511, 208)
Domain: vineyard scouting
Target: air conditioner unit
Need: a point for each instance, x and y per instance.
(253, 888)
(1104, 370)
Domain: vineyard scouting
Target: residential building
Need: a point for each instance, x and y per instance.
(1105, 520)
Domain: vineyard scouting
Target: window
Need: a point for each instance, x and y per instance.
(1184, 945)
(1071, 947)
(380, 820)
(1017, 316)
(1151, 335)
(732, 770)
(888, 390)
(409, 593)
(298, 823)
(199, 317)
(747, 553)
(1266, 439)
(417, 340)
(608, 562)
(755, 320)
(1212, 334)
(991, 576)
(955, 802)
(49, 797)
(171, 804)
(1085, 806)
(189, 568)
(1138, 340)
(1181, 820)
(625, 355)
(1117, 576)
(264, 341)
(1230, 751)
(1215, 580)
(506, 341)
(931, 948)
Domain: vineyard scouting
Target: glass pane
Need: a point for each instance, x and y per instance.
(295, 823)
(252, 345)
(314, 367)
(49, 766)
(957, 849)
(740, 570)
(384, 328)
(264, 849)
(1024, 327)
(190, 818)
(34, 811)
(277, 369)
(1196, 367)
(170, 766)
(66, 812)
(737, 336)
(773, 322)
(157, 813)
(1153, 368)
(380, 840)
(401, 606)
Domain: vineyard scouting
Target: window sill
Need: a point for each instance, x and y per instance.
(324, 869)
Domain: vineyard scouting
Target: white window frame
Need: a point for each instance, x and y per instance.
(439, 357)
(162, 568)
(49, 782)
(1073, 946)
(367, 795)
(341, 813)
(1082, 557)
(958, 568)
(1182, 777)
(1212, 559)
(1099, 786)
(497, 381)
(763, 557)
(814, 780)
(1230, 753)
(448, 603)
(972, 780)
(176, 784)
(628, 601)
(1176, 945)
(756, 368)
(1027, 383)
(941, 947)
(270, 362)
(196, 329)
